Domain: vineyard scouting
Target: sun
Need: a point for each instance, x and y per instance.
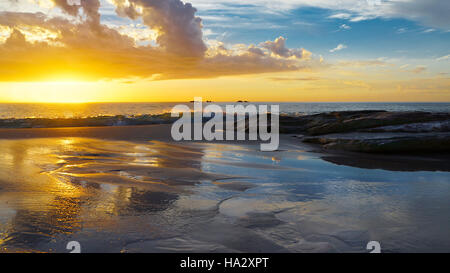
(63, 91)
(60, 91)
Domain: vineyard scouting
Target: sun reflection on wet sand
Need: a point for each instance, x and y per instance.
(120, 196)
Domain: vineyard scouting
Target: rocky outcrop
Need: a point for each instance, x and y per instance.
(350, 121)
(374, 131)
(99, 121)
(425, 127)
(407, 144)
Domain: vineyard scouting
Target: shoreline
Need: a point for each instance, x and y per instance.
(161, 132)
(133, 189)
(153, 196)
(393, 141)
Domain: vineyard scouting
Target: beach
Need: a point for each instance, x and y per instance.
(210, 127)
(133, 189)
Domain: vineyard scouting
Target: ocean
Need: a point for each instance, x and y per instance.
(58, 110)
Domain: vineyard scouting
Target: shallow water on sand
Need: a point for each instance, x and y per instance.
(118, 196)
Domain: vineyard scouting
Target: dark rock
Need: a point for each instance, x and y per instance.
(99, 121)
(408, 144)
(350, 121)
(374, 131)
(425, 127)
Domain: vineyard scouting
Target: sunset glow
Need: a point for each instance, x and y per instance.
(48, 54)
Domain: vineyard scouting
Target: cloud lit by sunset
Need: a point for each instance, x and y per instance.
(169, 50)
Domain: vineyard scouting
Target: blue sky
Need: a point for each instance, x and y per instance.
(312, 28)
(405, 41)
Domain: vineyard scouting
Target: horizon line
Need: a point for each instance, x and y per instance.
(212, 101)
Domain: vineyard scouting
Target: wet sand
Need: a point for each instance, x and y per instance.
(131, 189)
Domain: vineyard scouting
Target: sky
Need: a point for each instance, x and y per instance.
(224, 50)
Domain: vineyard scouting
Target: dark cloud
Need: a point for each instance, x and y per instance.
(180, 31)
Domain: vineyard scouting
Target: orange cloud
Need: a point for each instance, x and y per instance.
(40, 47)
